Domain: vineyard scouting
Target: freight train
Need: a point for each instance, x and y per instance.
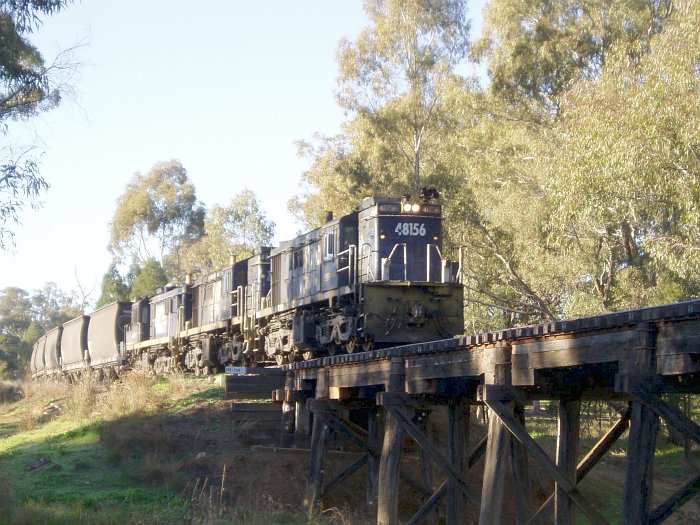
(373, 278)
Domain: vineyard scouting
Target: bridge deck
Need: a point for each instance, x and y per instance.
(603, 347)
(633, 356)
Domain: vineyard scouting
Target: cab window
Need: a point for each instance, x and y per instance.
(329, 250)
(298, 258)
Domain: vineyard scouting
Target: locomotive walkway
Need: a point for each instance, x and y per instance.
(629, 357)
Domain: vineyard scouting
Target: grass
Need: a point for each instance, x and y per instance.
(136, 451)
(55, 467)
(605, 496)
(145, 450)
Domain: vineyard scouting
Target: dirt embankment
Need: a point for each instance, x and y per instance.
(202, 445)
(223, 453)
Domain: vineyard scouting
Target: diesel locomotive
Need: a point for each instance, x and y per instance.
(373, 278)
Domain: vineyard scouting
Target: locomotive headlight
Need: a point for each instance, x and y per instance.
(436, 237)
(407, 206)
(382, 236)
(415, 208)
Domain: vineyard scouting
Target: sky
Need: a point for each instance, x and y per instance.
(225, 86)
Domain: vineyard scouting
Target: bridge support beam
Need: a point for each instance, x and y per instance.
(392, 448)
(314, 483)
(586, 464)
(567, 455)
(494, 471)
(457, 455)
(389, 468)
(644, 428)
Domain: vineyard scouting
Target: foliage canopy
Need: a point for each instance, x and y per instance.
(570, 182)
(28, 86)
(156, 212)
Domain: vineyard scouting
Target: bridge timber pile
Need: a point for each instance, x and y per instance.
(370, 398)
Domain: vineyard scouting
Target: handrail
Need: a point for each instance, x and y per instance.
(237, 297)
(351, 267)
(233, 305)
(428, 263)
(391, 255)
(370, 272)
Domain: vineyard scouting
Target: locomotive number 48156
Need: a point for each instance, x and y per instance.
(413, 229)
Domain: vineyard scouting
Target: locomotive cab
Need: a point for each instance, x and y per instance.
(408, 292)
(169, 311)
(139, 328)
(401, 241)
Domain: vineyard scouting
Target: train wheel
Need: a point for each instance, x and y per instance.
(308, 355)
(367, 346)
(279, 359)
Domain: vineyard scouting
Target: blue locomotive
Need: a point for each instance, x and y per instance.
(373, 278)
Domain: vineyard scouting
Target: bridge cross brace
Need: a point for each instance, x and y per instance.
(455, 489)
(501, 401)
(327, 416)
(648, 408)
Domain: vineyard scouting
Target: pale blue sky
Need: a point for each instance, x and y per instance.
(226, 87)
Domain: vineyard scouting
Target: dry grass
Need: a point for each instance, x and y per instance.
(209, 504)
(43, 401)
(93, 398)
(133, 394)
(11, 391)
(174, 435)
(82, 397)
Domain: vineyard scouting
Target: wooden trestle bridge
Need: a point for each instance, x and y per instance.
(629, 357)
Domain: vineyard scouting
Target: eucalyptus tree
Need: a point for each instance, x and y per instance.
(28, 86)
(15, 310)
(144, 278)
(535, 146)
(394, 73)
(536, 49)
(626, 178)
(25, 316)
(392, 82)
(114, 287)
(156, 213)
(233, 230)
(494, 213)
(15, 320)
(52, 306)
